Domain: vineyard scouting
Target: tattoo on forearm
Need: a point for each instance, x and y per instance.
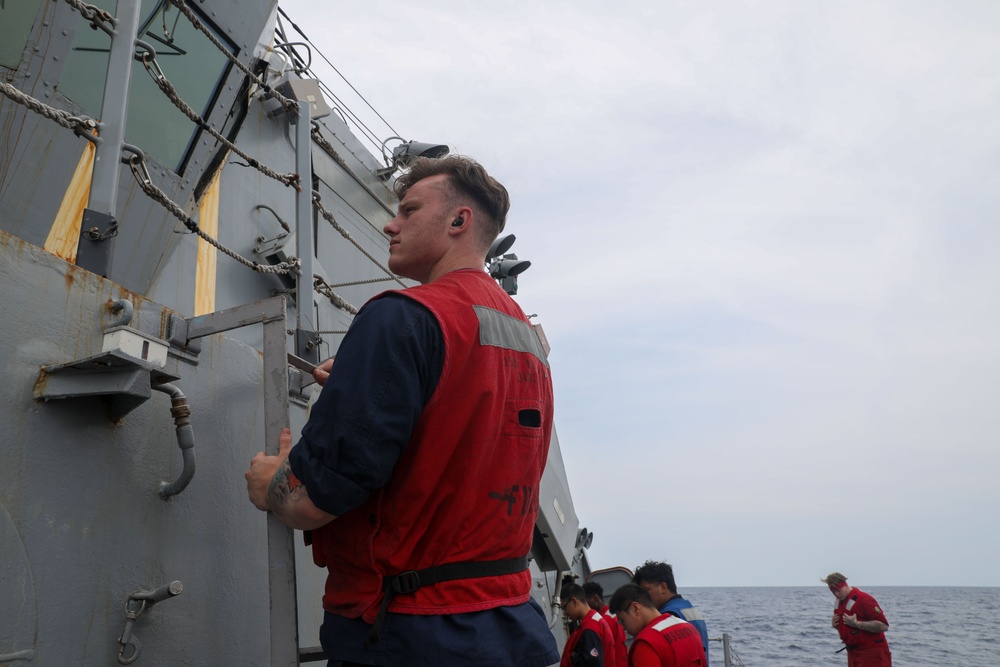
(285, 489)
(870, 626)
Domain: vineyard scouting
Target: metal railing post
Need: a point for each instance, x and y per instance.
(280, 538)
(305, 343)
(284, 623)
(99, 225)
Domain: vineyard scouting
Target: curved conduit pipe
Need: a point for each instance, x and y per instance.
(555, 599)
(181, 412)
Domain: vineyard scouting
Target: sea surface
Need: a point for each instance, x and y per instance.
(790, 626)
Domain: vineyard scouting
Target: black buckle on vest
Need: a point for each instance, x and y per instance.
(406, 582)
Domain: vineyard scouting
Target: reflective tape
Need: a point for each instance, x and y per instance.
(668, 622)
(501, 330)
(692, 614)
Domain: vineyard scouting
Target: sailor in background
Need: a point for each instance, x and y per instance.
(595, 598)
(861, 624)
(417, 473)
(591, 644)
(657, 579)
(660, 639)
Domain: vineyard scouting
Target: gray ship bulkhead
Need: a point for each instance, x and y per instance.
(82, 523)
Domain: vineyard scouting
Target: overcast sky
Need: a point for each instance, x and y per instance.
(764, 243)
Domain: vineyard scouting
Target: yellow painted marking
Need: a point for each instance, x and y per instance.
(205, 276)
(64, 235)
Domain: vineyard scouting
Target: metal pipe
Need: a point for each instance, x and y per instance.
(160, 594)
(280, 538)
(556, 600)
(181, 412)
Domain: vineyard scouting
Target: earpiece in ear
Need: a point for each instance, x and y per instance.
(457, 223)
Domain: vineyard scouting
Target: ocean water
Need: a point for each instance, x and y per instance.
(790, 626)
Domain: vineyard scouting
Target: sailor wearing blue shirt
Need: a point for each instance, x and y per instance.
(657, 579)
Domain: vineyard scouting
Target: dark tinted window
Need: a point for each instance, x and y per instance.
(16, 19)
(189, 61)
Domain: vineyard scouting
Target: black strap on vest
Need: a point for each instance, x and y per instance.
(410, 581)
(854, 646)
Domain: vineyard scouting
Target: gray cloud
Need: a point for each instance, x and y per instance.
(765, 244)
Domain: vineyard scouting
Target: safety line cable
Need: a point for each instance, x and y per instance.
(339, 105)
(343, 108)
(736, 659)
(332, 152)
(289, 105)
(149, 62)
(82, 125)
(326, 289)
(141, 175)
(100, 19)
(305, 37)
(145, 183)
(370, 281)
(347, 235)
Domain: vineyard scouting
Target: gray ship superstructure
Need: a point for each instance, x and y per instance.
(182, 205)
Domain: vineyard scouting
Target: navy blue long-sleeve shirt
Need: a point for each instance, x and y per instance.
(385, 372)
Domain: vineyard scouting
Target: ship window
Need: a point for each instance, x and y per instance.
(194, 66)
(16, 19)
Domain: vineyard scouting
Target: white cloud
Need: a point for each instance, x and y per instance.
(764, 239)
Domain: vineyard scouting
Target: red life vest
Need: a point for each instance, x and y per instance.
(864, 606)
(675, 641)
(596, 623)
(618, 635)
(466, 487)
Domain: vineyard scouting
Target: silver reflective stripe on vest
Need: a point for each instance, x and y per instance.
(501, 330)
(668, 622)
(692, 614)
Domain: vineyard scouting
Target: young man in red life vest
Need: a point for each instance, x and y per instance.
(591, 645)
(861, 624)
(418, 470)
(660, 640)
(595, 598)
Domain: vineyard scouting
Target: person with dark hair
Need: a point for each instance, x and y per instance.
(860, 622)
(657, 579)
(417, 473)
(595, 598)
(659, 639)
(591, 644)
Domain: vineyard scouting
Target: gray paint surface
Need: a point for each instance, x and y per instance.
(81, 522)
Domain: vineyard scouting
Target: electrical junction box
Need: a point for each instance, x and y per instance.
(308, 90)
(136, 344)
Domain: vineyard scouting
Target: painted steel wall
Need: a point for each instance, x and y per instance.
(81, 522)
(79, 501)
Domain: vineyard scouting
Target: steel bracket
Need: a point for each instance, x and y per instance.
(268, 247)
(125, 380)
(307, 345)
(180, 343)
